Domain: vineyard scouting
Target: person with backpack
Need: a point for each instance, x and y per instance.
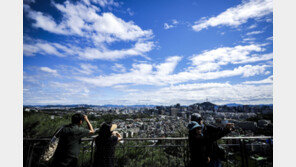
(66, 154)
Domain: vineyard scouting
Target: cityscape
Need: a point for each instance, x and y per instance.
(157, 123)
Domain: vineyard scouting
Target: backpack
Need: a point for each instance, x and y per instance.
(51, 148)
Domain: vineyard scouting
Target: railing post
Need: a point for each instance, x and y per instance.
(83, 149)
(30, 155)
(242, 152)
(92, 151)
(245, 153)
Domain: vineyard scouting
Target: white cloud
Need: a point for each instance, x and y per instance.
(219, 93)
(254, 32)
(169, 66)
(94, 53)
(238, 15)
(252, 26)
(205, 66)
(169, 26)
(213, 59)
(45, 22)
(87, 69)
(268, 80)
(29, 1)
(249, 40)
(105, 3)
(144, 74)
(42, 47)
(175, 21)
(255, 58)
(130, 12)
(269, 38)
(83, 20)
(118, 68)
(49, 70)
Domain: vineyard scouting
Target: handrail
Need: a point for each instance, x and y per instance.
(240, 142)
(161, 138)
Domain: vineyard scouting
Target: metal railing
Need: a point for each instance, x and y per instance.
(240, 151)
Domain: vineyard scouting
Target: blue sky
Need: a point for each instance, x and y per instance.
(147, 52)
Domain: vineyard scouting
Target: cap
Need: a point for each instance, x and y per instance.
(196, 117)
(113, 127)
(192, 125)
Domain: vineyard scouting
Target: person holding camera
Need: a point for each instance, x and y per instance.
(105, 145)
(66, 154)
(210, 134)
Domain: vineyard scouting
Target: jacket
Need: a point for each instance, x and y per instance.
(213, 133)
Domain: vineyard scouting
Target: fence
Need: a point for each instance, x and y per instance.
(154, 152)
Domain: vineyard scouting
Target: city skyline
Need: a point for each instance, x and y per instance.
(147, 52)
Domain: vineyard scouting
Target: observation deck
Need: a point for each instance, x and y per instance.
(160, 152)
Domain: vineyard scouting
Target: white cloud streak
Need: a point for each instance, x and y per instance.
(254, 32)
(87, 69)
(268, 80)
(238, 15)
(88, 53)
(49, 70)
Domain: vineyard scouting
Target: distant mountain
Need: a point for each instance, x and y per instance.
(207, 104)
(235, 105)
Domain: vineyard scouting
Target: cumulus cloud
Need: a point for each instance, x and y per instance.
(49, 70)
(83, 20)
(204, 66)
(237, 15)
(212, 60)
(169, 66)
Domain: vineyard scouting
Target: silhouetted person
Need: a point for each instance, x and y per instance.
(68, 149)
(212, 134)
(199, 154)
(105, 145)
